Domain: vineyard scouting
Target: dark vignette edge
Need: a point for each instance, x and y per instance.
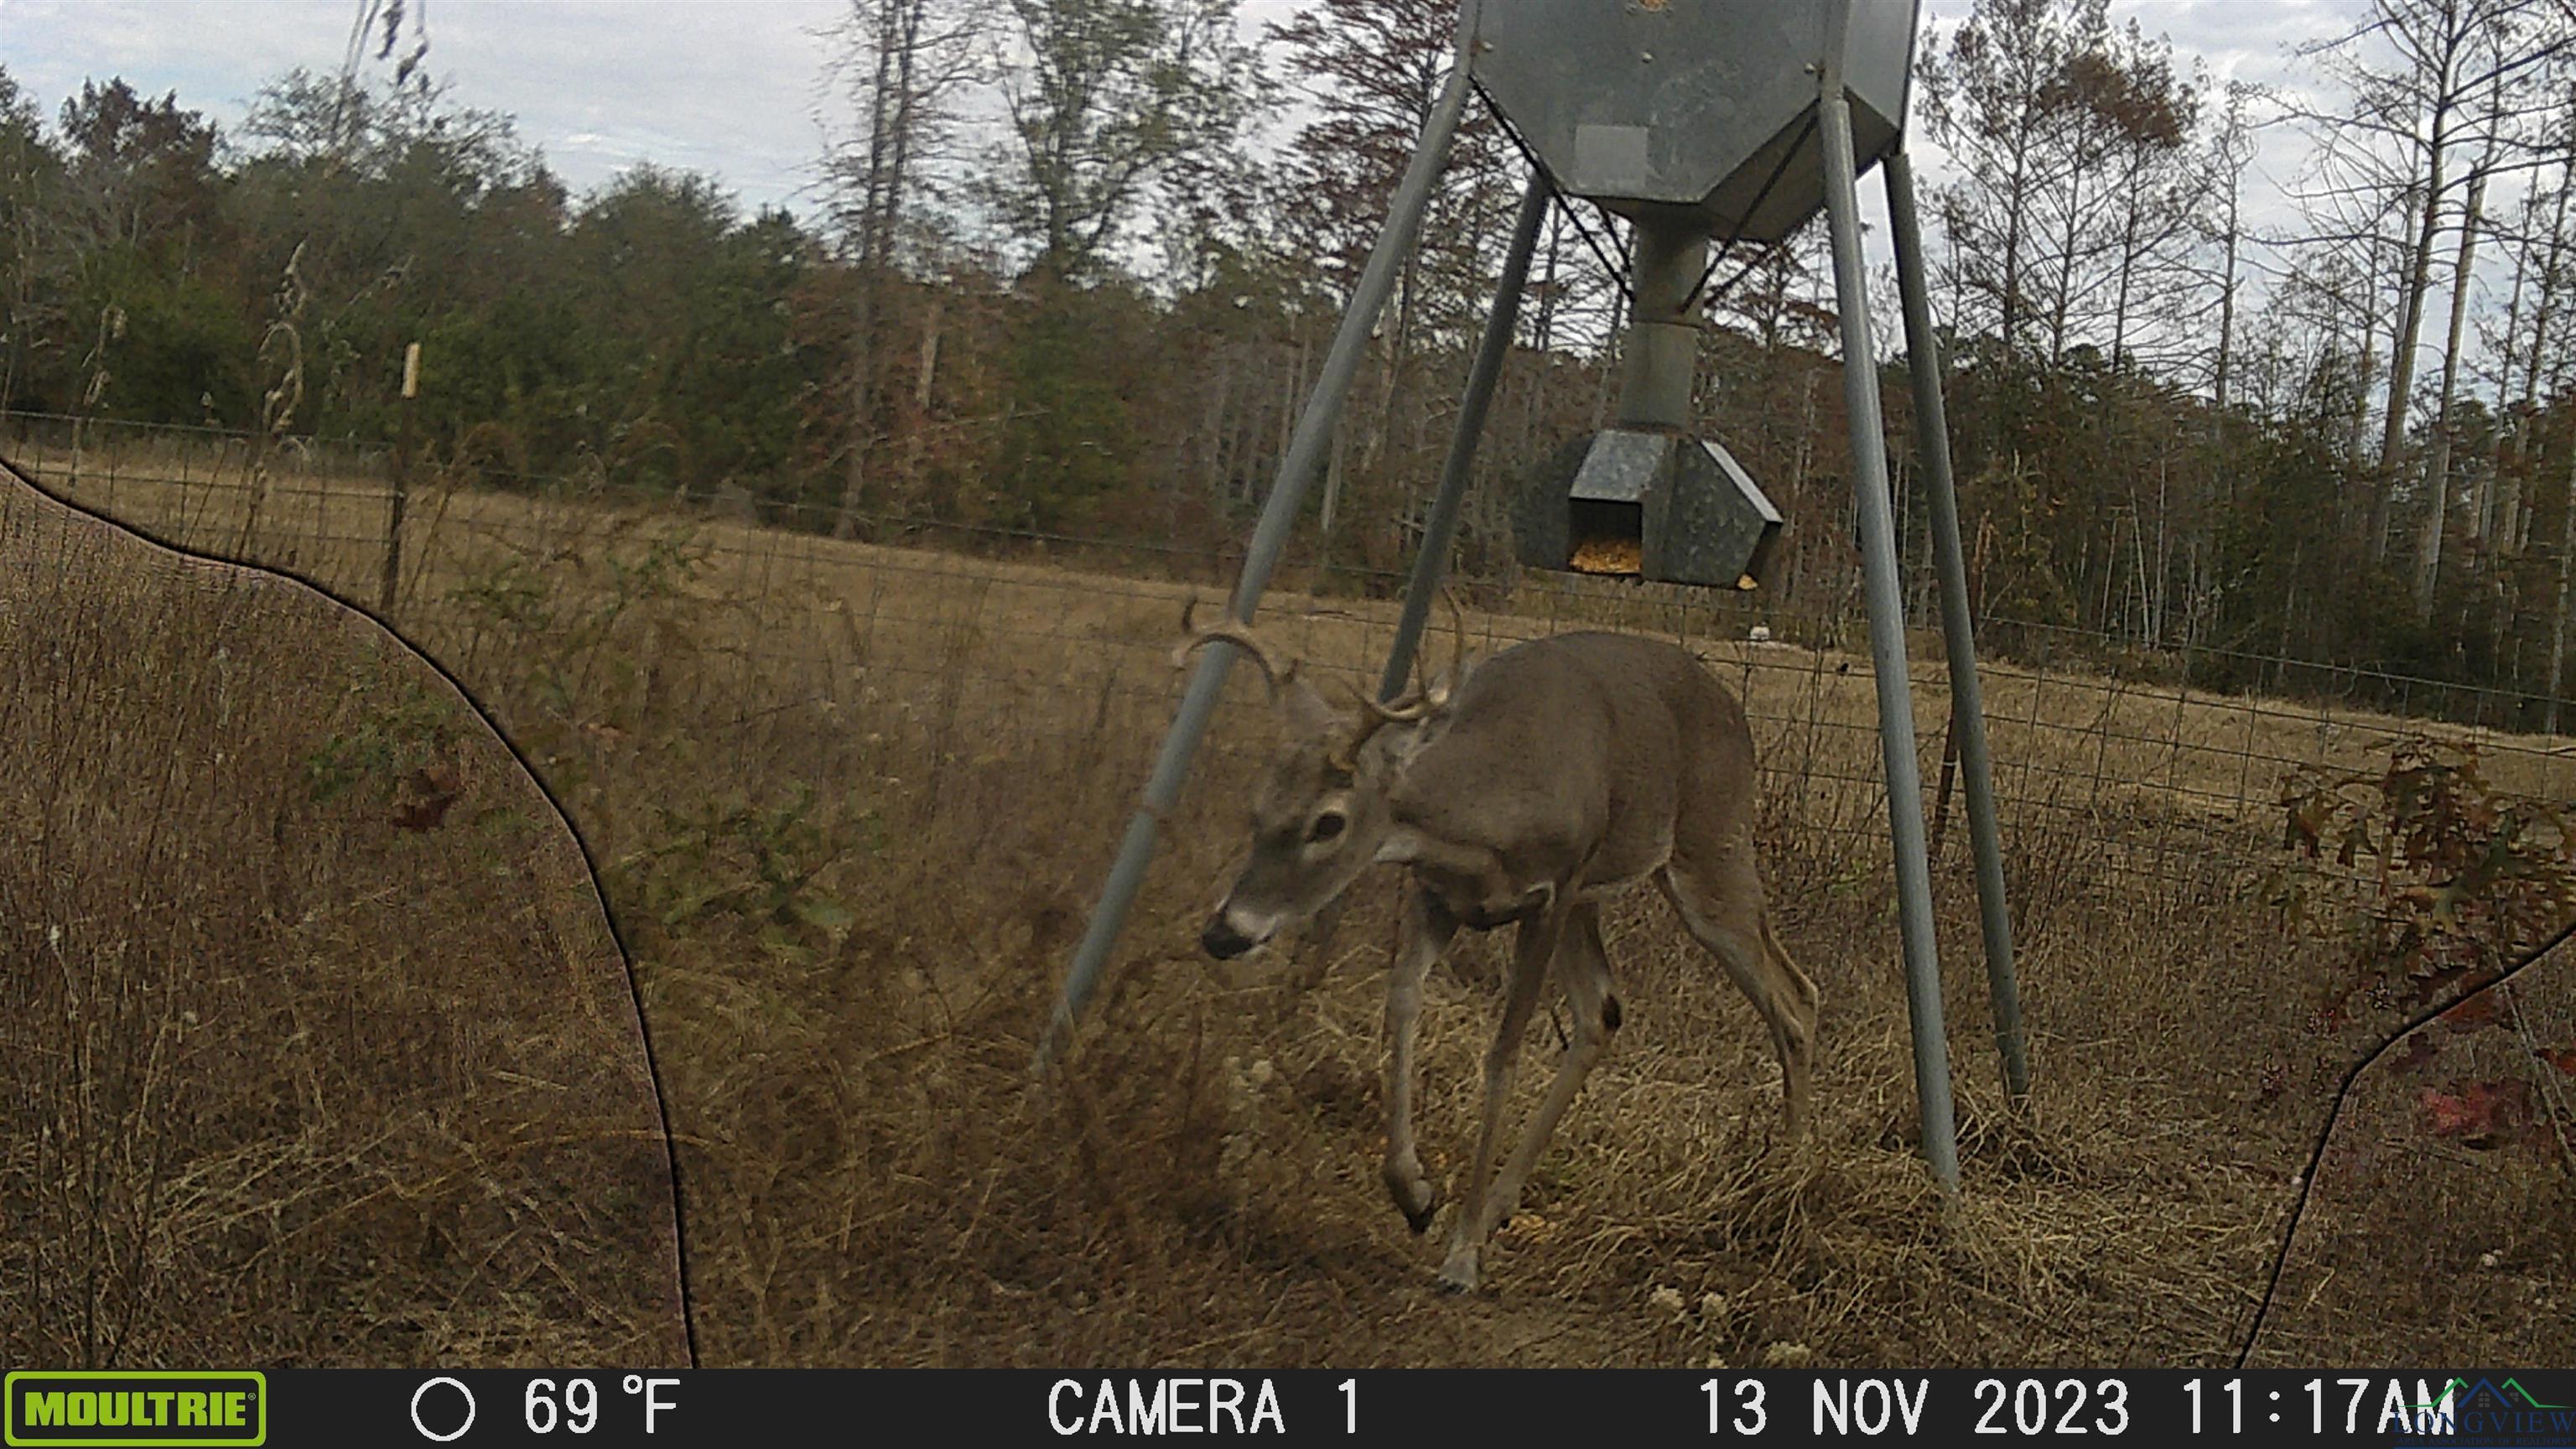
(2334, 1114)
(589, 862)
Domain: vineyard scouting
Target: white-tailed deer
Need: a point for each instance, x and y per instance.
(1519, 790)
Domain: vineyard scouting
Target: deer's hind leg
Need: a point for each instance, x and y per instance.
(1583, 967)
(1719, 898)
(1531, 953)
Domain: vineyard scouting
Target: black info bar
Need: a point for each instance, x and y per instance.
(736, 1408)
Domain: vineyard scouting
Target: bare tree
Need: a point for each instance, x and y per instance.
(2414, 72)
(32, 309)
(2437, 484)
(2231, 151)
(1370, 72)
(1107, 99)
(2541, 259)
(2158, 185)
(903, 61)
(1991, 98)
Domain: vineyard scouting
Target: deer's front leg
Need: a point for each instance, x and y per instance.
(1531, 953)
(1424, 933)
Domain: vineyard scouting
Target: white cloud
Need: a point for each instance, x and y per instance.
(729, 87)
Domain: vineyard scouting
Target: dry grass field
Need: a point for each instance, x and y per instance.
(317, 1045)
(849, 803)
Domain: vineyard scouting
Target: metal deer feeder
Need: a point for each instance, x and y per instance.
(1693, 121)
(1700, 121)
(1662, 506)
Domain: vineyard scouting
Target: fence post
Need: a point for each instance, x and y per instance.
(402, 480)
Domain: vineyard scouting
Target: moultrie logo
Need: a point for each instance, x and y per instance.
(134, 1409)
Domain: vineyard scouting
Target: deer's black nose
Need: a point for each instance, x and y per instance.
(1223, 941)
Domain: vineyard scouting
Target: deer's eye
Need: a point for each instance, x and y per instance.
(1326, 826)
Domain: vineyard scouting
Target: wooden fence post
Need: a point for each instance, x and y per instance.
(402, 480)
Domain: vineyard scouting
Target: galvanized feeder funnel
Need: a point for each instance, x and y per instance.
(1706, 108)
(1694, 119)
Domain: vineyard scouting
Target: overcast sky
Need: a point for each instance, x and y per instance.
(734, 88)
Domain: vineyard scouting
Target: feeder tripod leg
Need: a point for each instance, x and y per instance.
(1269, 537)
(1958, 630)
(1432, 561)
(1887, 644)
(1500, 328)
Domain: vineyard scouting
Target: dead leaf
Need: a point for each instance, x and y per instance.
(2449, 1115)
(2478, 1111)
(427, 793)
(2471, 1012)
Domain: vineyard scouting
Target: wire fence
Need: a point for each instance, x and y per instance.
(754, 620)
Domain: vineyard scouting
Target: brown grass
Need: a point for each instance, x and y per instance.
(2412, 1240)
(285, 1082)
(850, 804)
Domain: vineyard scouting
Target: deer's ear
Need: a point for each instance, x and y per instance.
(1305, 709)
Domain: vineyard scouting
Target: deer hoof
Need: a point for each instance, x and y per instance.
(1458, 1275)
(1414, 1196)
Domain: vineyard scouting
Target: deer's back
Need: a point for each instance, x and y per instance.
(1582, 750)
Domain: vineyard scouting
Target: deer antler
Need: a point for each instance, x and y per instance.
(1428, 700)
(1374, 716)
(1457, 628)
(1238, 634)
